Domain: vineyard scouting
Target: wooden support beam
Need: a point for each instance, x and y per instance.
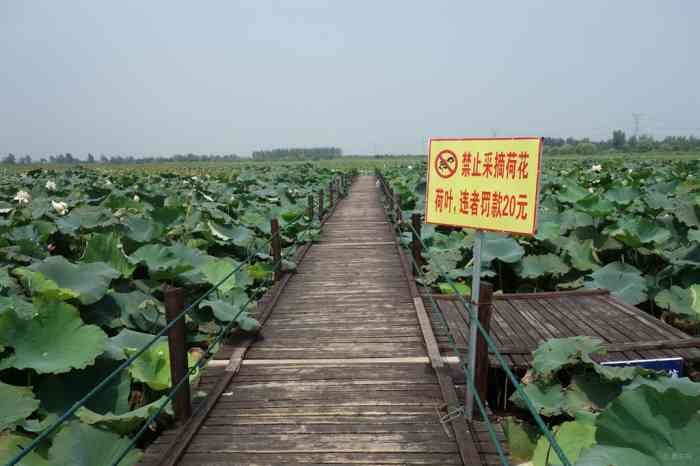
(174, 305)
(320, 205)
(481, 371)
(276, 244)
(310, 206)
(416, 244)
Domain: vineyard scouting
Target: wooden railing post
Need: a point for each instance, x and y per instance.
(320, 205)
(481, 371)
(330, 195)
(397, 203)
(310, 206)
(174, 305)
(416, 244)
(276, 244)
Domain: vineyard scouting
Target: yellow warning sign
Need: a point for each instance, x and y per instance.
(487, 184)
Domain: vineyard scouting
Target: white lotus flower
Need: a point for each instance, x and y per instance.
(108, 182)
(136, 198)
(410, 167)
(51, 185)
(590, 190)
(60, 207)
(23, 197)
(596, 168)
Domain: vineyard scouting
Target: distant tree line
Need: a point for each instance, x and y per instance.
(310, 153)
(619, 142)
(69, 158)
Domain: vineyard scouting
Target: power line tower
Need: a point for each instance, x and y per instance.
(637, 117)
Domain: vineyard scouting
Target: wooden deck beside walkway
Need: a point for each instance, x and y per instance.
(346, 370)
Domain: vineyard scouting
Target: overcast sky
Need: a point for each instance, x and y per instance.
(164, 77)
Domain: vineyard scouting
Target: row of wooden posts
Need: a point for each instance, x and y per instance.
(484, 307)
(175, 298)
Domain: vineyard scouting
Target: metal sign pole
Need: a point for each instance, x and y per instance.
(476, 284)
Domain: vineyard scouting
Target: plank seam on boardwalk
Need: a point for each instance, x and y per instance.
(348, 300)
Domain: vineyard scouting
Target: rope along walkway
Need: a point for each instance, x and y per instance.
(340, 375)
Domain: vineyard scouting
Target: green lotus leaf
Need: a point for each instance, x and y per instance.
(7, 283)
(572, 194)
(123, 423)
(217, 269)
(12, 443)
(694, 235)
(238, 235)
(259, 270)
(571, 219)
(663, 383)
(647, 427)
(548, 231)
(43, 287)
(688, 213)
(596, 206)
(582, 254)
(153, 366)
(16, 405)
(503, 248)
(573, 437)
(163, 262)
(542, 265)
(87, 217)
(636, 232)
(167, 216)
(233, 308)
(87, 282)
(622, 280)
(59, 392)
(462, 288)
(22, 308)
(618, 374)
(684, 302)
(256, 220)
(143, 230)
(107, 248)
(78, 444)
(54, 341)
(522, 438)
(556, 353)
(546, 397)
(622, 195)
(589, 392)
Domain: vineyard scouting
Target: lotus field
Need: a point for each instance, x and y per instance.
(632, 227)
(84, 257)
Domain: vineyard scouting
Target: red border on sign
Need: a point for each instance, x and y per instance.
(438, 157)
(540, 140)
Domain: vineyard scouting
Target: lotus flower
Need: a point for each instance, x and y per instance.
(108, 182)
(597, 168)
(23, 197)
(60, 207)
(136, 198)
(590, 190)
(51, 185)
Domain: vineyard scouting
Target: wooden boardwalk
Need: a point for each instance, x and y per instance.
(346, 371)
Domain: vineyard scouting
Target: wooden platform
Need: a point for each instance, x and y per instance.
(345, 372)
(521, 322)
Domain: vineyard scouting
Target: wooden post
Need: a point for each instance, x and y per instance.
(174, 305)
(310, 206)
(390, 195)
(481, 371)
(330, 195)
(276, 244)
(397, 213)
(416, 244)
(320, 205)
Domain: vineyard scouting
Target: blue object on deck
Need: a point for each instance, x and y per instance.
(673, 366)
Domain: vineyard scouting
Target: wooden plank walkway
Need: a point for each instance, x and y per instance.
(341, 374)
(521, 322)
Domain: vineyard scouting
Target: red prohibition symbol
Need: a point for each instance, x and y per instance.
(446, 163)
